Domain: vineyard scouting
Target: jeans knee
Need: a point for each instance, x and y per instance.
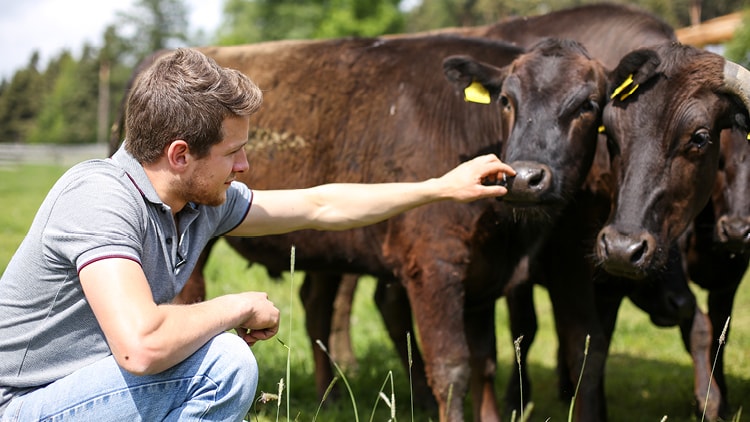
(240, 366)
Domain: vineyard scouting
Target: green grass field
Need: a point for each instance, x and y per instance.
(649, 375)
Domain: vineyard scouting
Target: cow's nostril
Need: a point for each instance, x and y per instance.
(638, 251)
(538, 178)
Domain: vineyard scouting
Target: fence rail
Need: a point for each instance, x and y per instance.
(64, 155)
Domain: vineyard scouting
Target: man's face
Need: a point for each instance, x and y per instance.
(212, 175)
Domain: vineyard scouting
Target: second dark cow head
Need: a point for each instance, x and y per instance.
(550, 99)
(663, 124)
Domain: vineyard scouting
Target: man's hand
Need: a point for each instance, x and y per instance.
(476, 178)
(264, 323)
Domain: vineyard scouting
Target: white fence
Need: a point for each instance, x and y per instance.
(64, 155)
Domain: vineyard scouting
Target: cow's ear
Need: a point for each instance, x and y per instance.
(634, 69)
(481, 82)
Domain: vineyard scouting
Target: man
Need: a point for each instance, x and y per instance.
(87, 330)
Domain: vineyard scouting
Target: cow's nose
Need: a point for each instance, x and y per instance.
(734, 232)
(625, 254)
(532, 180)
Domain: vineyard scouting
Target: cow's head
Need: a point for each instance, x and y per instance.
(668, 108)
(730, 195)
(551, 99)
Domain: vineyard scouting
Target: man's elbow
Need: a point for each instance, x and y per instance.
(140, 361)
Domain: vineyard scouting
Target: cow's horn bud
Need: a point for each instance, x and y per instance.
(737, 82)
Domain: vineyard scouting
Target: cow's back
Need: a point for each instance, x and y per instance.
(360, 110)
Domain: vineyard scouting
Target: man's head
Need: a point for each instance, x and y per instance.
(185, 95)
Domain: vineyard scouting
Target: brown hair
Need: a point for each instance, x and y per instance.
(185, 95)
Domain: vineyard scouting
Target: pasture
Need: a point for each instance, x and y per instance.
(648, 376)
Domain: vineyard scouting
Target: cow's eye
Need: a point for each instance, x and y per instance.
(588, 106)
(505, 101)
(701, 138)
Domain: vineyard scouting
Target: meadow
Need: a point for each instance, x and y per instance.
(649, 374)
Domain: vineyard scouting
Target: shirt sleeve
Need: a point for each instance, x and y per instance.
(95, 217)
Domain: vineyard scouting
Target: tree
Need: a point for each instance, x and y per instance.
(20, 101)
(738, 50)
(68, 114)
(246, 21)
(152, 25)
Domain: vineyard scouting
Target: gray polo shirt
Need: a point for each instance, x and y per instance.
(98, 209)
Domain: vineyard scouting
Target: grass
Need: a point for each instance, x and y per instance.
(649, 374)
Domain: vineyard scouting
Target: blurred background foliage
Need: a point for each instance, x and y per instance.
(73, 100)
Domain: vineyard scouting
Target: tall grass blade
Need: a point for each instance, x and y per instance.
(517, 346)
(325, 396)
(580, 376)
(722, 340)
(343, 378)
(281, 382)
(289, 350)
(391, 403)
(411, 389)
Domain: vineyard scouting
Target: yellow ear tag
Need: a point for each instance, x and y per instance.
(627, 94)
(748, 136)
(624, 85)
(602, 129)
(477, 93)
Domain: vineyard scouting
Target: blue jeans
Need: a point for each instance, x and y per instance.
(216, 383)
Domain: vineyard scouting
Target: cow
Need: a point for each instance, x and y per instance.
(665, 135)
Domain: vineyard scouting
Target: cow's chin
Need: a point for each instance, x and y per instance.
(736, 247)
(532, 213)
(625, 271)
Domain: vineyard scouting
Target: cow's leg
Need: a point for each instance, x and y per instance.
(480, 333)
(696, 335)
(340, 339)
(570, 286)
(720, 273)
(436, 295)
(570, 283)
(523, 328)
(195, 288)
(577, 320)
(318, 292)
(393, 303)
(720, 303)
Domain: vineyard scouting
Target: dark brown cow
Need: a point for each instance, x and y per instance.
(373, 107)
(665, 140)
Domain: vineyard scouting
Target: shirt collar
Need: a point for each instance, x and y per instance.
(137, 174)
(135, 171)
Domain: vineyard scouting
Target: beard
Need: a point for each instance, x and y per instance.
(197, 190)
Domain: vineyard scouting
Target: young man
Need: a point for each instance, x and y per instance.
(87, 330)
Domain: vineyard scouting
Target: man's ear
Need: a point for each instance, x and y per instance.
(178, 154)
